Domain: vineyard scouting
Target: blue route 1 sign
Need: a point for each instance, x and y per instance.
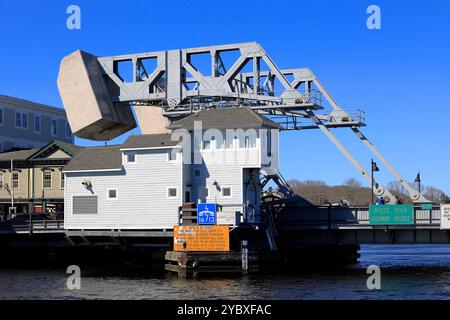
(206, 213)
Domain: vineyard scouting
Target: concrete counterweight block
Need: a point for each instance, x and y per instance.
(87, 99)
(151, 120)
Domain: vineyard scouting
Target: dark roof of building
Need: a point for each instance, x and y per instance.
(72, 148)
(149, 141)
(17, 155)
(96, 158)
(67, 147)
(224, 118)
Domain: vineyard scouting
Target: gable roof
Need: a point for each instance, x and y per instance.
(96, 158)
(68, 148)
(149, 141)
(226, 118)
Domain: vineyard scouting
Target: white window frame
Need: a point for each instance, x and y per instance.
(168, 193)
(128, 154)
(21, 114)
(40, 123)
(108, 196)
(18, 180)
(229, 146)
(226, 187)
(51, 127)
(43, 179)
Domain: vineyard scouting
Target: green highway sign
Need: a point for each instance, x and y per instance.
(391, 214)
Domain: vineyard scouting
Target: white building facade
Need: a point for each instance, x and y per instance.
(142, 184)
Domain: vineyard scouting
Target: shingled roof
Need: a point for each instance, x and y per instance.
(17, 154)
(149, 141)
(226, 118)
(96, 158)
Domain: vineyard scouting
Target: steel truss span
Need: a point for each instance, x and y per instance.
(184, 81)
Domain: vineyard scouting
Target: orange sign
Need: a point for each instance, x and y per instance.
(201, 238)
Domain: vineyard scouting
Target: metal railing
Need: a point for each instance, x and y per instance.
(33, 226)
(340, 216)
(346, 116)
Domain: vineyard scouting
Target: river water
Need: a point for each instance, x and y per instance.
(407, 272)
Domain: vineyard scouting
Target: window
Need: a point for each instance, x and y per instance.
(248, 142)
(229, 142)
(21, 120)
(131, 158)
(1, 180)
(15, 180)
(68, 130)
(1, 146)
(219, 142)
(62, 180)
(47, 179)
(1, 115)
(226, 192)
(112, 194)
(54, 127)
(37, 124)
(269, 143)
(172, 192)
(197, 173)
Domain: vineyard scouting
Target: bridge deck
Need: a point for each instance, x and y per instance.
(297, 224)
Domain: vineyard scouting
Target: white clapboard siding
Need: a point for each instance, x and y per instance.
(142, 202)
(225, 166)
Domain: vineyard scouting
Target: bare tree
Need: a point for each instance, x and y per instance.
(353, 183)
(435, 194)
(396, 187)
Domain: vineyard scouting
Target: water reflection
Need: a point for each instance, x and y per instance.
(419, 272)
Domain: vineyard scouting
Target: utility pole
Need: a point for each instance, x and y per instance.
(12, 186)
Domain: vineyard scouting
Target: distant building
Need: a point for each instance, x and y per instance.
(26, 124)
(36, 183)
(142, 184)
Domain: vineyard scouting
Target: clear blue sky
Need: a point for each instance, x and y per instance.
(400, 75)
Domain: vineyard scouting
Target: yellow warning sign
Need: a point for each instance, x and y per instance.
(201, 238)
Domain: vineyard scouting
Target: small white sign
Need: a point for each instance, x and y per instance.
(445, 216)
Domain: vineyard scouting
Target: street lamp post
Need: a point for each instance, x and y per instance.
(373, 168)
(417, 180)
